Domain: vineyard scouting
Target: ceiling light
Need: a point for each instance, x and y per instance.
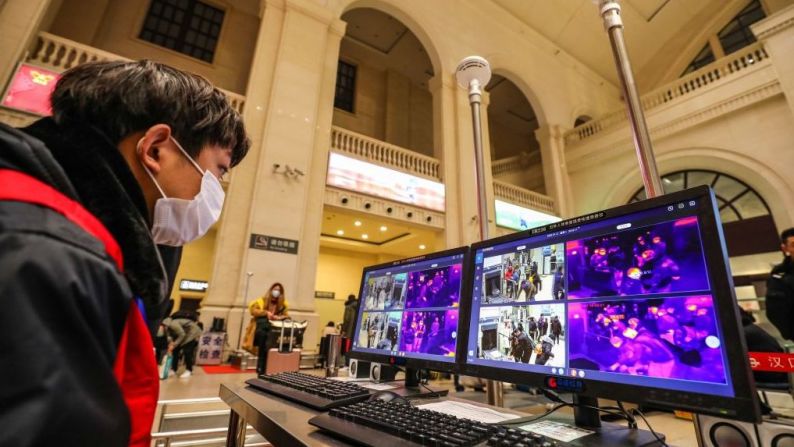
(365, 236)
(340, 232)
(422, 246)
(357, 223)
(383, 228)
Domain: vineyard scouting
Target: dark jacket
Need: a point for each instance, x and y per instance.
(780, 298)
(64, 301)
(349, 318)
(759, 340)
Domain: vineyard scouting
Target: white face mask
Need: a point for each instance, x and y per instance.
(275, 294)
(178, 221)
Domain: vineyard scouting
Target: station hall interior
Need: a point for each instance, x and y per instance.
(362, 145)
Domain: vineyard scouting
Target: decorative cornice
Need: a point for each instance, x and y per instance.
(382, 207)
(774, 24)
(584, 158)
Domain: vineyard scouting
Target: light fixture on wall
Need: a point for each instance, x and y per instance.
(365, 236)
(383, 228)
(422, 246)
(340, 232)
(357, 223)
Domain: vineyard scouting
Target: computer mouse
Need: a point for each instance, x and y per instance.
(388, 396)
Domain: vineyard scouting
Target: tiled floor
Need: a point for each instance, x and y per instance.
(679, 432)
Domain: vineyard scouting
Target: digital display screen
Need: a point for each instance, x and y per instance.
(30, 89)
(411, 310)
(626, 299)
(367, 178)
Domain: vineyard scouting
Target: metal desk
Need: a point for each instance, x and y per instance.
(280, 421)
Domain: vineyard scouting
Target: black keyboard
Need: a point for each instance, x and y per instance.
(378, 423)
(313, 391)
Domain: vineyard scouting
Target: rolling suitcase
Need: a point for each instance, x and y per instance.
(279, 360)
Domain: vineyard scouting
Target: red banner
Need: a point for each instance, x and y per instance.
(30, 89)
(771, 361)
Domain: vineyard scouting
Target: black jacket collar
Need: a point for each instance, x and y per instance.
(107, 188)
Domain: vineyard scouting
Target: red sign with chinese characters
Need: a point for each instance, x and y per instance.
(30, 89)
(771, 361)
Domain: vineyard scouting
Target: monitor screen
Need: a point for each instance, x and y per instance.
(637, 296)
(409, 310)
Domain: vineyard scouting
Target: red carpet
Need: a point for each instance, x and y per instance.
(222, 369)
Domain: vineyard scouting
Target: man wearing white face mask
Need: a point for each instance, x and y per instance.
(85, 196)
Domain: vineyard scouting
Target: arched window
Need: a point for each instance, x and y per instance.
(581, 120)
(746, 218)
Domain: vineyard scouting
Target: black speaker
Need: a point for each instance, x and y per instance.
(359, 369)
(718, 432)
(379, 372)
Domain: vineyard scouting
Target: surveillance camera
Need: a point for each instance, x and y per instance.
(389, 210)
(410, 214)
(298, 171)
(367, 205)
(429, 218)
(276, 166)
(344, 200)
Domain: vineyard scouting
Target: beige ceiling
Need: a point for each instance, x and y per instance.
(656, 31)
(399, 239)
(388, 37)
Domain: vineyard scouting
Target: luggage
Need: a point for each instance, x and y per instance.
(284, 360)
(165, 366)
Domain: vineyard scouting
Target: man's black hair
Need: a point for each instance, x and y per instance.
(119, 98)
(786, 234)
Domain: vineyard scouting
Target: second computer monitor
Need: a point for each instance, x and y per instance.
(409, 311)
(631, 303)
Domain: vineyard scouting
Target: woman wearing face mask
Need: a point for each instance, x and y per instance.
(264, 309)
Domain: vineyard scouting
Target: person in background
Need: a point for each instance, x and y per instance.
(330, 329)
(130, 158)
(183, 336)
(759, 340)
(780, 289)
(271, 306)
(161, 338)
(349, 318)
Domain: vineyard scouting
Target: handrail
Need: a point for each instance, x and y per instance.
(521, 196)
(371, 149)
(717, 71)
(60, 54)
(516, 162)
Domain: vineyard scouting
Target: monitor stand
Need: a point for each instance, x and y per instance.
(412, 387)
(605, 433)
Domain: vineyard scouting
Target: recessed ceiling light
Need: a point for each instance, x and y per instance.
(365, 236)
(422, 246)
(340, 232)
(383, 228)
(357, 223)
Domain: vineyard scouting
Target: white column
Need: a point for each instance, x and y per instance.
(289, 106)
(555, 172)
(19, 23)
(777, 34)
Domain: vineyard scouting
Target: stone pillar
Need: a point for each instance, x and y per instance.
(777, 34)
(555, 172)
(398, 109)
(19, 23)
(454, 146)
(289, 104)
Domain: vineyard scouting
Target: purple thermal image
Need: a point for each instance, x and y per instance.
(672, 338)
(436, 287)
(661, 258)
(429, 332)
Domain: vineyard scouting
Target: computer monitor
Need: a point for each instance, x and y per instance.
(633, 303)
(408, 311)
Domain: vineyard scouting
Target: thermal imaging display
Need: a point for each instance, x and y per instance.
(657, 259)
(411, 309)
(626, 299)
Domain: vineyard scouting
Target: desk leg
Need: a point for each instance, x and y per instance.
(235, 437)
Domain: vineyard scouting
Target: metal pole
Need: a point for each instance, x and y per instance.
(242, 310)
(610, 12)
(474, 73)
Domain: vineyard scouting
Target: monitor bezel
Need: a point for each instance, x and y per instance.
(745, 404)
(414, 363)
